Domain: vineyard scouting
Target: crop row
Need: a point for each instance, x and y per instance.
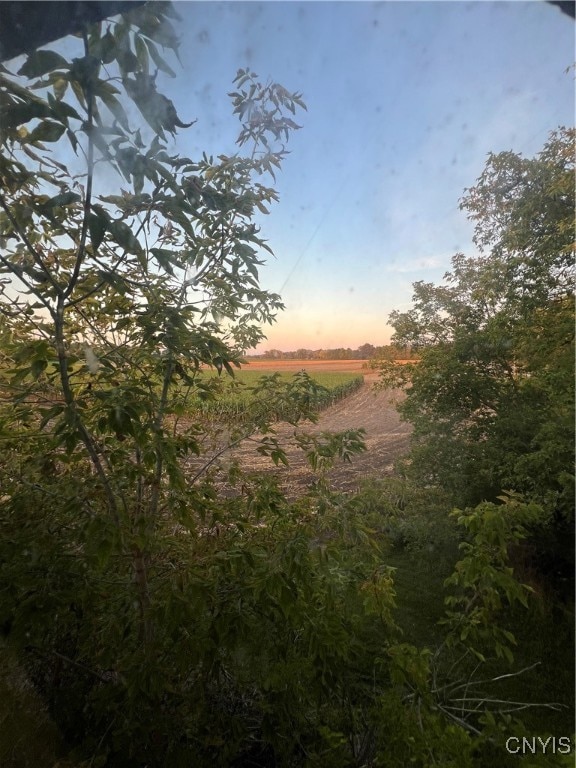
(246, 395)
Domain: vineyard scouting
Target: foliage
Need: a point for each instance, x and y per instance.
(339, 353)
(251, 390)
(409, 518)
(164, 622)
(364, 352)
(27, 737)
(483, 576)
(491, 398)
(455, 712)
(491, 401)
(113, 305)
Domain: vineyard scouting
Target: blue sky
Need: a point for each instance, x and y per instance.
(405, 100)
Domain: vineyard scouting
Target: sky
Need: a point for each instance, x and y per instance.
(405, 100)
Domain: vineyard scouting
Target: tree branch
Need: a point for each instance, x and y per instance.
(33, 252)
(89, 179)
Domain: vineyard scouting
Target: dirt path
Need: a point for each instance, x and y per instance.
(386, 439)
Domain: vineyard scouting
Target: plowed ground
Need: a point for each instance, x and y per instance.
(386, 439)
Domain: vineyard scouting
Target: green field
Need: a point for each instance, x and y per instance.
(237, 395)
(332, 380)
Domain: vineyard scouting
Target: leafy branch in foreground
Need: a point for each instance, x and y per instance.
(114, 305)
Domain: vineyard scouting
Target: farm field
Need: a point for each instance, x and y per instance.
(311, 366)
(331, 379)
(386, 440)
(237, 394)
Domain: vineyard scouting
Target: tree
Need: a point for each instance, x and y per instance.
(365, 351)
(128, 295)
(492, 398)
(113, 307)
(27, 26)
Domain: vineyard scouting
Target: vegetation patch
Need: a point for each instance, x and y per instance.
(249, 390)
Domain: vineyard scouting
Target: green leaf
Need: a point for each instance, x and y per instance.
(17, 114)
(78, 92)
(60, 87)
(100, 141)
(103, 87)
(127, 61)
(120, 421)
(41, 62)
(129, 161)
(38, 367)
(162, 65)
(46, 131)
(142, 54)
(123, 235)
(105, 48)
(138, 180)
(165, 34)
(50, 413)
(65, 198)
(165, 258)
(117, 282)
(116, 109)
(72, 139)
(62, 110)
(97, 225)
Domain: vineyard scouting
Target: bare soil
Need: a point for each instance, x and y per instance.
(269, 366)
(386, 440)
(349, 366)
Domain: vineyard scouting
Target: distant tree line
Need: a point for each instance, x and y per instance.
(364, 352)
